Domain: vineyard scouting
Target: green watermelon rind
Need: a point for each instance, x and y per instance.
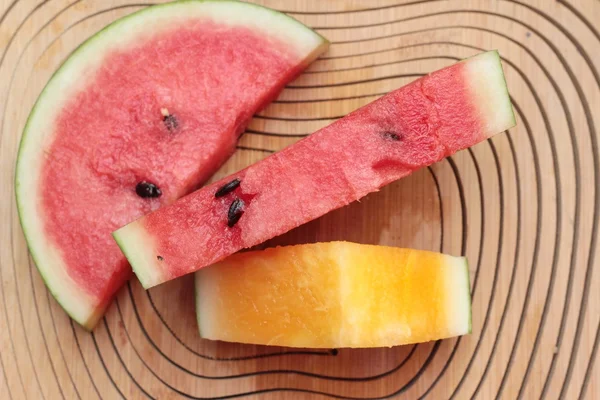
(137, 249)
(197, 302)
(460, 309)
(470, 299)
(466, 284)
(494, 105)
(29, 161)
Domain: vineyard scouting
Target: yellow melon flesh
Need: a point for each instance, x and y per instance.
(336, 294)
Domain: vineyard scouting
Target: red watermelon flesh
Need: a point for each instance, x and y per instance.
(407, 129)
(149, 121)
(114, 136)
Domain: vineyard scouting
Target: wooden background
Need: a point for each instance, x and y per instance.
(524, 207)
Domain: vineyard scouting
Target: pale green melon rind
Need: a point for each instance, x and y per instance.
(138, 246)
(489, 92)
(73, 75)
(77, 303)
(469, 299)
(205, 292)
(458, 287)
(198, 303)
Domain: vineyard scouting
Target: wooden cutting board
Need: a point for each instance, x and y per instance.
(523, 207)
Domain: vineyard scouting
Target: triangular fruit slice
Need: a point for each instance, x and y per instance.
(336, 294)
(407, 129)
(142, 113)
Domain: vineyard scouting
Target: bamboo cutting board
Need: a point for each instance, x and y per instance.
(523, 207)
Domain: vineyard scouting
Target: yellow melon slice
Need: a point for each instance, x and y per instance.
(336, 294)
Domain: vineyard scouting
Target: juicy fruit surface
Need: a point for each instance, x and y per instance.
(147, 122)
(409, 128)
(335, 294)
(113, 135)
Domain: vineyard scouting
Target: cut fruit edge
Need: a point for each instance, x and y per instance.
(457, 282)
(70, 77)
(138, 252)
(463, 324)
(488, 88)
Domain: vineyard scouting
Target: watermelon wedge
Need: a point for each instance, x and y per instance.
(336, 294)
(407, 129)
(140, 114)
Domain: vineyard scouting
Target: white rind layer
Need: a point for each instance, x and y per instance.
(72, 77)
(459, 309)
(138, 246)
(489, 92)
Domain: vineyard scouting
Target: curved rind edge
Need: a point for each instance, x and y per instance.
(489, 91)
(468, 277)
(136, 243)
(93, 312)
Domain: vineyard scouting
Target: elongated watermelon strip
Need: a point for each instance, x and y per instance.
(410, 128)
(336, 294)
(142, 113)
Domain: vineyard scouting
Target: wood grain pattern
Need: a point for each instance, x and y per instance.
(524, 207)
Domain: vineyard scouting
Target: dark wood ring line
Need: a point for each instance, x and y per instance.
(462, 252)
(434, 177)
(577, 169)
(503, 313)
(37, 313)
(597, 200)
(410, 383)
(575, 232)
(295, 372)
(592, 247)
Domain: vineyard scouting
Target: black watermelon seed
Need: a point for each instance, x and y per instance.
(231, 222)
(159, 258)
(236, 209)
(146, 189)
(227, 188)
(170, 122)
(392, 136)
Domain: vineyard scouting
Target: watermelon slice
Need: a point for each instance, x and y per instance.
(336, 294)
(142, 113)
(407, 129)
